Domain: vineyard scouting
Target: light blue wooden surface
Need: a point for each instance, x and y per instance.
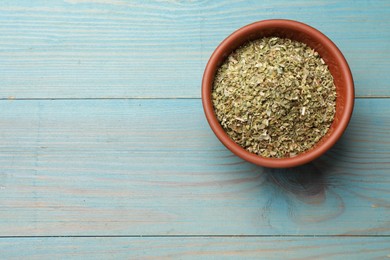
(103, 138)
(127, 49)
(153, 167)
(196, 248)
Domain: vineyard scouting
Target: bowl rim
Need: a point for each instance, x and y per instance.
(305, 157)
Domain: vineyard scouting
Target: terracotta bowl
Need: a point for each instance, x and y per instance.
(335, 60)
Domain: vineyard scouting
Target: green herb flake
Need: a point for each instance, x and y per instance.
(275, 97)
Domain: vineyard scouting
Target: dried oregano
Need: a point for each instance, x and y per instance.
(275, 97)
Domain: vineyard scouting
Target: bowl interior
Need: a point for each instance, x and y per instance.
(298, 32)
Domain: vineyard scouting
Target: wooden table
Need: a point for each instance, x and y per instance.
(105, 151)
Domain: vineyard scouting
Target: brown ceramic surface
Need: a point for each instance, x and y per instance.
(316, 40)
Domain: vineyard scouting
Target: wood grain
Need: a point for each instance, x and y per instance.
(119, 155)
(158, 49)
(196, 248)
(153, 167)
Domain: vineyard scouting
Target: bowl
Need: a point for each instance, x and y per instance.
(329, 52)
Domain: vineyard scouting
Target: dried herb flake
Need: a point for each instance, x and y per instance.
(275, 97)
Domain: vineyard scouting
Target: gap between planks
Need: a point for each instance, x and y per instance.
(197, 236)
(148, 98)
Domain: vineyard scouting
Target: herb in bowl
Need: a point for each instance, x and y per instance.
(275, 97)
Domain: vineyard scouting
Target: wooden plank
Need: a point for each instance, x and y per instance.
(196, 248)
(147, 167)
(121, 49)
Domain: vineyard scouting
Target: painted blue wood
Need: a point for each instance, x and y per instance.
(153, 167)
(196, 248)
(127, 49)
(138, 167)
